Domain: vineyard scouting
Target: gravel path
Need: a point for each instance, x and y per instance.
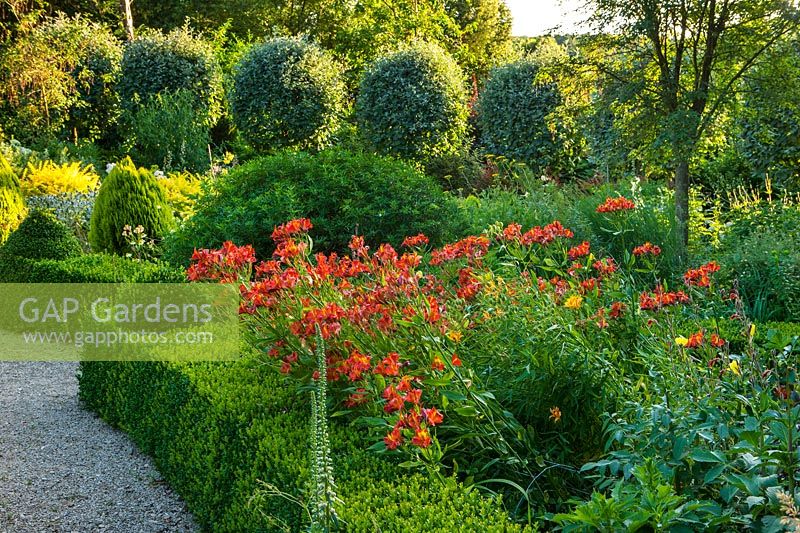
(62, 469)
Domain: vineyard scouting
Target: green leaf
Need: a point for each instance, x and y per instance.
(713, 474)
(707, 456)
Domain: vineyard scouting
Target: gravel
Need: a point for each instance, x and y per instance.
(62, 469)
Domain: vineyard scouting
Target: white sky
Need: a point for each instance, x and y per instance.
(536, 17)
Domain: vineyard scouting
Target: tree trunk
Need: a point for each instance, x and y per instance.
(127, 17)
(682, 209)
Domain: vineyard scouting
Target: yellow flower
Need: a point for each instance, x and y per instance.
(555, 414)
(752, 330)
(681, 341)
(573, 302)
(735, 368)
(454, 336)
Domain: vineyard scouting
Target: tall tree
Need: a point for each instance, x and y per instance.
(684, 59)
(127, 17)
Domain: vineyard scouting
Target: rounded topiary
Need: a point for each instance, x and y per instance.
(156, 63)
(42, 236)
(413, 104)
(343, 193)
(287, 93)
(129, 196)
(12, 204)
(515, 114)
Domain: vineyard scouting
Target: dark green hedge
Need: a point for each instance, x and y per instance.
(216, 429)
(95, 268)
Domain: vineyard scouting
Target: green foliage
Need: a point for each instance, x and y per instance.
(58, 80)
(189, 417)
(12, 205)
(129, 196)
(412, 104)
(287, 93)
(92, 268)
(156, 63)
(344, 193)
(514, 91)
(166, 132)
(42, 236)
(769, 117)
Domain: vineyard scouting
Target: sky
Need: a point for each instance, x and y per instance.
(536, 17)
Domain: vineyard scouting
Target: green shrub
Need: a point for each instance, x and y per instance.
(166, 132)
(42, 236)
(516, 114)
(413, 104)
(156, 63)
(128, 196)
(58, 80)
(343, 193)
(287, 93)
(91, 268)
(217, 432)
(12, 205)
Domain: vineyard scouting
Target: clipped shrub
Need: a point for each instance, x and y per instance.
(90, 268)
(413, 104)
(156, 63)
(42, 236)
(74, 210)
(47, 177)
(58, 80)
(12, 205)
(343, 192)
(189, 418)
(516, 114)
(129, 196)
(166, 132)
(287, 93)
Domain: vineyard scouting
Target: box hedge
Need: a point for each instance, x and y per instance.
(218, 430)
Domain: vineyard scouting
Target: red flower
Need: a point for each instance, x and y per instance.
(357, 246)
(422, 438)
(605, 266)
(393, 439)
(471, 248)
(437, 364)
(293, 227)
(454, 359)
(617, 309)
(695, 340)
(389, 366)
(717, 341)
(432, 416)
(432, 314)
(699, 277)
(659, 299)
(513, 232)
(619, 203)
(545, 235)
(413, 396)
(647, 248)
(579, 251)
(415, 241)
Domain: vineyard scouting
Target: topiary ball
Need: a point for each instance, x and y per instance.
(514, 111)
(12, 204)
(413, 104)
(129, 196)
(42, 236)
(156, 63)
(287, 93)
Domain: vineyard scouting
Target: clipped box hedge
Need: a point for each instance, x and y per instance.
(217, 430)
(94, 268)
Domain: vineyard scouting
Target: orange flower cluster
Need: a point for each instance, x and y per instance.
(223, 265)
(612, 205)
(658, 299)
(471, 248)
(647, 248)
(700, 277)
(416, 241)
(579, 251)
